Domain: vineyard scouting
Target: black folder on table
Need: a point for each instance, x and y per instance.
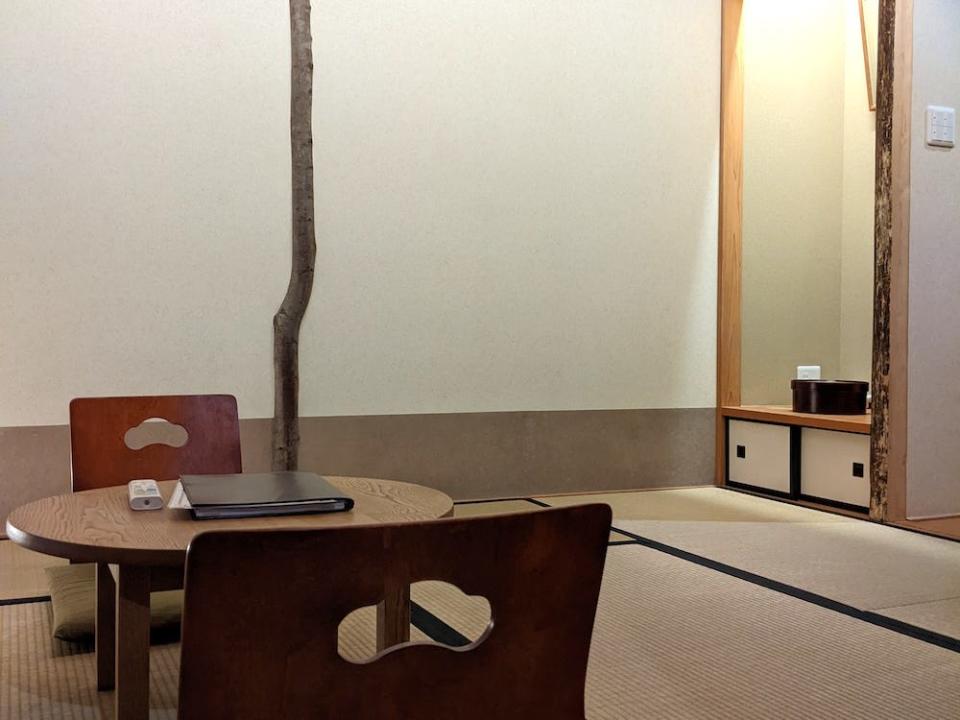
(261, 494)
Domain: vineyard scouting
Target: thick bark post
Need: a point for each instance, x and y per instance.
(883, 235)
(286, 323)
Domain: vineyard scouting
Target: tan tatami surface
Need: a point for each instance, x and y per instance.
(904, 575)
(675, 638)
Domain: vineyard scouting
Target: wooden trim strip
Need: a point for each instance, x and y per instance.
(871, 96)
(730, 221)
(896, 492)
(946, 527)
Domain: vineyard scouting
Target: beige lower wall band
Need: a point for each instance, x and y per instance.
(468, 455)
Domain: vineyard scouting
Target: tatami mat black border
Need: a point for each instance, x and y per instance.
(25, 600)
(484, 502)
(435, 628)
(898, 626)
(868, 616)
(541, 503)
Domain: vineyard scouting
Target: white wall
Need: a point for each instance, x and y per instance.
(933, 451)
(857, 221)
(792, 192)
(516, 204)
(143, 194)
(809, 148)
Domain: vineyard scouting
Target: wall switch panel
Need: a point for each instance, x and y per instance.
(941, 126)
(808, 372)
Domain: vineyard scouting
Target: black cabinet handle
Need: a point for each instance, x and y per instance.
(741, 451)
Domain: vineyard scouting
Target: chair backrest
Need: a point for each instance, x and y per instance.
(262, 611)
(100, 456)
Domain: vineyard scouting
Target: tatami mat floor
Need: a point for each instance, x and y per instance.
(673, 641)
(497, 507)
(904, 575)
(675, 638)
(697, 504)
(21, 571)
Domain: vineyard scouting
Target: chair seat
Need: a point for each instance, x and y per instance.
(73, 596)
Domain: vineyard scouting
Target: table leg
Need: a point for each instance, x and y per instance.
(106, 628)
(393, 616)
(133, 643)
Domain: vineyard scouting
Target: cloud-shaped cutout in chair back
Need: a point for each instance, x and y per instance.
(155, 431)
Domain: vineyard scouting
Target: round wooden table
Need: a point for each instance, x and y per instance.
(149, 549)
(99, 526)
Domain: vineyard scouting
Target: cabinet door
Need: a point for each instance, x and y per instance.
(835, 466)
(758, 455)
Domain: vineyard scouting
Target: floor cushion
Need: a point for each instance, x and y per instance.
(73, 596)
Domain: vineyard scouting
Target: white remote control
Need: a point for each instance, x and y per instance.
(144, 495)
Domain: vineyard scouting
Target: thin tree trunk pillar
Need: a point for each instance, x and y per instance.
(287, 321)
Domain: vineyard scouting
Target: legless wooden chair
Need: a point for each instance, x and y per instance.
(100, 457)
(272, 652)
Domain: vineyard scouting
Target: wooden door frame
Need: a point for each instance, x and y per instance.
(729, 258)
(891, 242)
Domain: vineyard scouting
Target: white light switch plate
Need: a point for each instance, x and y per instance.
(808, 372)
(941, 126)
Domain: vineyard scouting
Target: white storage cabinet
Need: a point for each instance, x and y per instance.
(758, 455)
(835, 466)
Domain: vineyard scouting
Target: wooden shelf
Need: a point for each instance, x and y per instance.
(784, 415)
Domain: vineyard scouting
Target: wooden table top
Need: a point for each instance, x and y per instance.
(99, 526)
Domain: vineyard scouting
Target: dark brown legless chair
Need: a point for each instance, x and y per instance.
(272, 653)
(100, 457)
